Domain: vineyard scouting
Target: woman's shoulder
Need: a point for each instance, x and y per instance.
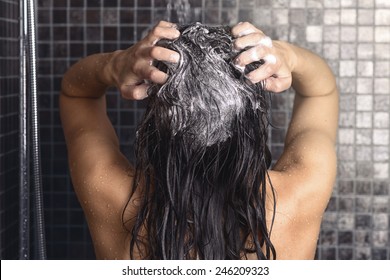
(106, 192)
(301, 195)
(296, 217)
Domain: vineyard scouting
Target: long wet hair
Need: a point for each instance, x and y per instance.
(202, 156)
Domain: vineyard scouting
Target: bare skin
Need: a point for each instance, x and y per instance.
(303, 176)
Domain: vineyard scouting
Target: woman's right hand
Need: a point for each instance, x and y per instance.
(130, 68)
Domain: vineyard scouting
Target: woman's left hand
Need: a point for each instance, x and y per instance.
(279, 59)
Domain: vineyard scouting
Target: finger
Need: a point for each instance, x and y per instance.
(268, 69)
(153, 74)
(251, 55)
(159, 32)
(164, 23)
(134, 92)
(144, 70)
(278, 84)
(243, 28)
(251, 40)
(158, 53)
(164, 54)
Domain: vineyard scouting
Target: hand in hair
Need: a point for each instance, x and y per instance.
(132, 66)
(278, 61)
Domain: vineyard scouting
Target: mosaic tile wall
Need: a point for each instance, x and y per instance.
(9, 123)
(353, 36)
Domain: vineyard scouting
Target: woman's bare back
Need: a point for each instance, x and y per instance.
(102, 177)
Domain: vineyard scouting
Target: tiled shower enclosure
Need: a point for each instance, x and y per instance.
(352, 35)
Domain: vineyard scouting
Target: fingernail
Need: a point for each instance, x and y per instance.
(177, 33)
(174, 58)
(235, 46)
(246, 32)
(239, 67)
(254, 55)
(236, 63)
(266, 41)
(249, 81)
(270, 58)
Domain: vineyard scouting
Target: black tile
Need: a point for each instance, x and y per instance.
(60, 3)
(93, 16)
(60, 33)
(130, 3)
(59, 16)
(110, 33)
(94, 3)
(76, 3)
(111, 3)
(145, 3)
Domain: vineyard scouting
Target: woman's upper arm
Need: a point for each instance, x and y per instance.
(101, 175)
(314, 121)
(99, 171)
(309, 157)
(89, 135)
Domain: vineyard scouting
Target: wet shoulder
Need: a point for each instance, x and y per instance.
(297, 217)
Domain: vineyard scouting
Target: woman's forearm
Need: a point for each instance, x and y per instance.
(316, 96)
(89, 77)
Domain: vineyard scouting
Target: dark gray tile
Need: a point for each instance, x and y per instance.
(345, 187)
(346, 204)
(363, 221)
(362, 238)
(328, 254)
(379, 254)
(345, 237)
(328, 238)
(381, 187)
(364, 187)
(345, 254)
(363, 253)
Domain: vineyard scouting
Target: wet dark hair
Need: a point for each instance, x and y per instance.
(202, 156)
